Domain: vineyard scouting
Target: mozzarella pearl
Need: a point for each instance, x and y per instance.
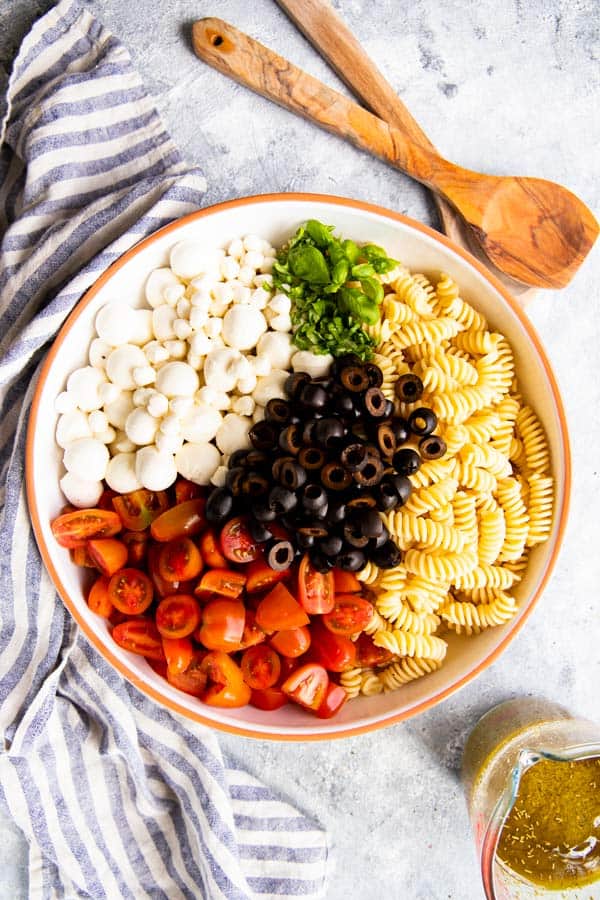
(197, 462)
(65, 403)
(220, 369)
(118, 410)
(277, 347)
(155, 469)
(191, 258)
(316, 365)
(71, 427)
(83, 385)
(233, 433)
(121, 363)
(242, 326)
(201, 424)
(121, 475)
(87, 458)
(177, 379)
(157, 282)
(115, 323)
(99, 353)
(269, 387)
(163, 321)
(141, 427)
(82, 493)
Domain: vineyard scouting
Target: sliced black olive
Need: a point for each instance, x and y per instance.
(375, 403)
(409, 388)
(403, 486)
(314, 499)
(264, 435)
(341, 362)
(370, 523)
(320, 562)
(331, 545)
(305, 541)
(233, 480)
(371, 473)
(335, 476)
(344, 404)
(386, 495)
(278, 411)
(291, 475)
(280, 555)
(353, 534)
(432, 447)
(387, 556)
(314, 528)
(311, 458)
(308, 431)
(259, 531)
(278, 465)
(389, 408)
(379, 541)
(294, 384)
(313, 395)
(354, 457)
(282, 500)
(351, 560)
(219, 505)
(290, 439)
(256, 459)
(422, 421)
(354, 379)
(238, 458)
(336, 511)
(374, 374)
(328, 432)
(401, 430)
(262, 512)
(362, 501)
(406, 461)
(254, 484)
(385, 438)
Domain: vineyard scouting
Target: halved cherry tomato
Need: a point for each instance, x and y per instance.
(81, 557)
(293, 642)
(137, 546)
(106, 499)
(237, 543)
(98, 599)
(288, 665)
(73, 529)
(163, 588)
(221, 581)
(346, 582)
(130, 591)
(211, 550)
(333, 651)
(350, 614)
(159, 666)
(334, 699)
(368, 654)
(183, 520)
(193, 680)
(260, 666)
(261, 576)
(178, 653)
(178, 615)
(222, 624)
(315, 589)
(252, 633)
(179, 560)
(139, 636)
(268, 698)
(109, 554)
(225, 684)
(279, 611)
(139, 508)
(116, 617)
(307, 686)
(187, 490)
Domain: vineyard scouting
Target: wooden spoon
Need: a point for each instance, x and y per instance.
(531, 229)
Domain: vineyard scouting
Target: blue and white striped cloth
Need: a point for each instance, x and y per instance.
(116, 796)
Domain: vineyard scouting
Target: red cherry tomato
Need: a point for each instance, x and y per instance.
(333, 651)
(178, 653)
(73, 529)
(139, 508)
(268, 698)
(346, 582)
(211, 550)
(178, 615)
(279, 611)
(225, 685)
(106, 499)
(368, 654)
(139, 636)
(187, 490)
(179, 560)
(137, 547)
(159, 666)
(163, 588)
(221, 581)
(315, 589)
(81, 557)
(307, 686)
(130, 591)
(183, 520)
(260, 667)
(252, 633)
(293, 642)
(109, 554)
(193, 680)
(237, 544)
(98, 599)
(261, 576)
(288, 665)
(222, 624)
(334, 699)
(350, 614)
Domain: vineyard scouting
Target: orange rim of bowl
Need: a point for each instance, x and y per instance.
(103, 649)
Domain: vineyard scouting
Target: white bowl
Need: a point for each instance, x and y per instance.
(276, 217)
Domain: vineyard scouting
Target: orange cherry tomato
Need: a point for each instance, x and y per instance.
(293, 642)
(187, 490)
(81, 557)
(260, 666)
(237, 544)
(179, 560)
(221, 581)
(139, 636)
(183, 520)
(268, 698)
(288, 665)
(109, 554)
(130, 591)
(178, 615)
(193, 680)
(106, 499)
(333, 651)
(73, 529)
(137, 547)
(334, 699)
(252, 634)
(159, 666)
(98, 599)
(139, 508)
(349, 615)
(315, 589)
(307, 686)
(261, 576)
(163, 588)
(222, 624)
(346, 582)
(211, 550)
(368, 654)
(178, 653)
(225, 686)
(279, 611)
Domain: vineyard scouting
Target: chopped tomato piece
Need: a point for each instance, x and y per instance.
(179, 560)
(178, 653)
(163, 588)
(261, 576)
(307, 686)
(159, 666)
(225, 685)
(183, 520)
(137, 547)
(237, 544)
(130, 591)
(350, 614)
(315, 589)
(268, 698)
(139, 636)
(106, 499)
(222, 624)
(261, 667)
(211, 550)
(73, 529)
(109, 554)
(178, 615)
(98, 599)
(252, 633)
(346, 582)
(193, 680)
(223, 582)
(187, 490)
(288, 665)
(81, 557)
(368, 654)
(139, 508)
(279, 611)
(334, 699)
(333, 651)
(293, 642)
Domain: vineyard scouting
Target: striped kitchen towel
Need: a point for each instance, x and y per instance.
(117, 797)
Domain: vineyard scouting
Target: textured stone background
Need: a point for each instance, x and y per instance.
(508, 87)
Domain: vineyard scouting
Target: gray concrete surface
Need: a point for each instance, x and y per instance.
(502, 87)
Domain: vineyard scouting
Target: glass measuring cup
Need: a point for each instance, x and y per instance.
(507, 741)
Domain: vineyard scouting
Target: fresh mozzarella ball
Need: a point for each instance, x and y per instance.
(260, 280)
(80, 492)
(143, 375)
(158, 405)
(183, 308)
(213, 327)
(197, 462)
(316, 365)
(65, 403)
(122, 444)
(201, 300)
(107, 436)
(258, 414)
(121, 363)
(261, 364)
(241, 292)
(219, 476)
(206, 396)
(252, 242)
(87, 458)
(278, 347)
(182, 329)
(98, 422)
(176, 349)
(141, 427)
(280, 303)
(254, 259)
(120, 473)
(243, 326)
(233, 433)
(177, 379)
(99, 353)
(267, 266)
(181, 406)
(191, 258)
(236, 248)
(281, 323)
(222, 400)
(115, 323)
(200, 343)
(246, 275)
(155, 469)
(71, 427)
(170, 425)
(156, 283)
(204, 283)
(83, 385)
(201, 424)
(220, 369)
(258, 299)
(247, 384)
(163, 320)
(269, 387)
(229, 268)
(118, 410)
(173, 294)
(109, 392)
(195, 360)
(198, 319)
(155, 353)
(141, 396)
(142, 326)
(244, 406)
(168, 443)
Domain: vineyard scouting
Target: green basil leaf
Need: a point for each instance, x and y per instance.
(309, 263)
(340, 272)
(373, 289)
(351, 251)
(363, 270)
(321, 234)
